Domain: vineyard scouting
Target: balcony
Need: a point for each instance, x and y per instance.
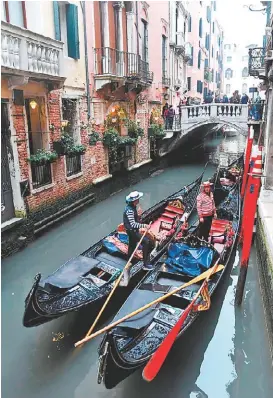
(112, 65)
(207, 75)
(166, 81)
(30, 55)
(256, 61)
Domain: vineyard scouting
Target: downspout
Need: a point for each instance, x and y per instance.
(137, 28)
(86, 62)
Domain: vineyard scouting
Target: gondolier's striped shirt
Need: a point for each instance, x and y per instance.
(130, 219)
(205, 205)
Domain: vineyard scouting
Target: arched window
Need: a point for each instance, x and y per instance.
(227, 89)
(245, 72)
(244, 88)
(199, 59)
(228, 73)
(200, 27)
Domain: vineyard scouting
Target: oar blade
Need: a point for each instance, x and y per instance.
(155, 363)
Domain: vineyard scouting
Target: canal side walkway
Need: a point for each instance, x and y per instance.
(264, 241)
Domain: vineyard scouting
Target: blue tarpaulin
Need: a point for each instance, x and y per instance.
(189, 260)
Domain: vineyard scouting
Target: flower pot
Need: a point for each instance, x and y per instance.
(59, 148)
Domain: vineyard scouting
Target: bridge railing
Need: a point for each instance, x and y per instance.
(206, 113)
(232, 112)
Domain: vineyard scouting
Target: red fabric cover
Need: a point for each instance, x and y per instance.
(174, 210)
(123, 247)
(167, 214)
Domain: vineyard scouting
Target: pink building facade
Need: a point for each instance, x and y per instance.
(204, 71)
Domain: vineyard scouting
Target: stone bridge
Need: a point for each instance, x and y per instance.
(194, 119)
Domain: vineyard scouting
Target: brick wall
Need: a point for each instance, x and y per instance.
(94, 161)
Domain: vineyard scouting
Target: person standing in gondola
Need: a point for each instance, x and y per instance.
(206, 210)
(134, 228)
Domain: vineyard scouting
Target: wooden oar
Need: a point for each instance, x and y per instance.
(116, 283)
(156, 361)
(146, 306)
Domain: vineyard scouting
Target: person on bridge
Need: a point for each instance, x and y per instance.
(134, 228)
(170, 116)
(244, 99)
(206, 210)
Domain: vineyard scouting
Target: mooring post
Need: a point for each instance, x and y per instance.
(247, 158)
(250, 206)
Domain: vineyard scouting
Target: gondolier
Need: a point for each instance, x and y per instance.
(206, 210)
(133, 228)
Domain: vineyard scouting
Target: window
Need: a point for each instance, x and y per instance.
(145, 41)
(244, 88)
(199, 59)
(213, 27)
(189, 83)
(200, 27)
(14, 12)
(227, 89)
(191, 60)
(206, 63)
(189, 24)
(217, 55)
(229, 59)
(205, 92)
(164, 56)
(73, 44)
(245, 72)
(207, 41)
(214, 5)
(70, 113)
(212, 51)
(212, 75)
(208, 14)
(229, 73)
(199, 86)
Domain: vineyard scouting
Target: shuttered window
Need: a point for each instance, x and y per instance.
(205, 92)
(200, 27)
(56, 12)
(189, 83)
(199, 86)
(73, 44)
(206, 63)
(199, 59)
(191, 60)
(208, 14)
(189, 24)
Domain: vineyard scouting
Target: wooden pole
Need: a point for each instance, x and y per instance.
(250, 206)
(247, 158)
(158, 300)
(116, 284)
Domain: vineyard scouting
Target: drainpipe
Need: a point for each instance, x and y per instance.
(137, 28)
(86, 62)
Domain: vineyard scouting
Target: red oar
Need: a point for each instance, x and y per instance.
(155, 363)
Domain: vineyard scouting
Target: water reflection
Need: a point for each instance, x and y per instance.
(224, 151)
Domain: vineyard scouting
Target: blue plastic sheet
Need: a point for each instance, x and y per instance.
(189, 260)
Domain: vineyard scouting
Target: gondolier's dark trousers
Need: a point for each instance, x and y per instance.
(204, 228)
(147, 245)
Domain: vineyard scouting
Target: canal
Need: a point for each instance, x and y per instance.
(226, 354)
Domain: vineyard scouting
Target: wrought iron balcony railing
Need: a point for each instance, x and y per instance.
(256, 61)
(109, 61)
(166, 81)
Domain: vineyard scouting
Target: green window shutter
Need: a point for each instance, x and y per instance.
(206, 63)
(189, 24)
(200, 28)
(72, 26)
(191, 63)
(199, 59)
(56, 12)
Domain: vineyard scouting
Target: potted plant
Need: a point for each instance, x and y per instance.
(66, 146)
(43, 156)
(94, 137)
(156, 131)
(134, 130)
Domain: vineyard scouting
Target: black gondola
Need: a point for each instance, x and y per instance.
(130, 345)
(88, 278)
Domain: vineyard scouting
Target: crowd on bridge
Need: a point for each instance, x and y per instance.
(255, 106)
